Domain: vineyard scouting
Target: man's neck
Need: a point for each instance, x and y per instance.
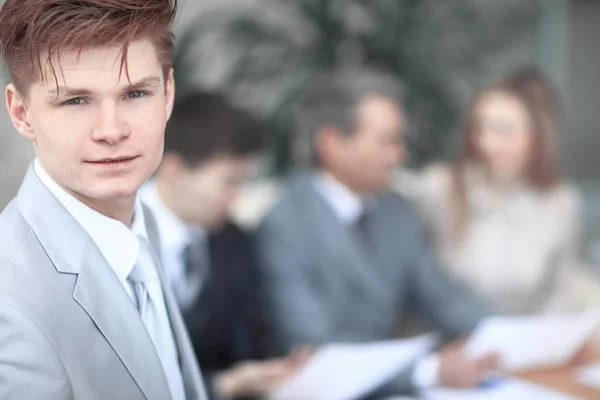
(119, 209)
(345, 182)
(167, 196)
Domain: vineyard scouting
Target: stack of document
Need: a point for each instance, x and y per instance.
(349, 371)
(590, 376)
(509, 389)
(532, 342)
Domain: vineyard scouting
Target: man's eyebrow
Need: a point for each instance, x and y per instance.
(147, 82)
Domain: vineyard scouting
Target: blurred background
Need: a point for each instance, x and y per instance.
(262, 53)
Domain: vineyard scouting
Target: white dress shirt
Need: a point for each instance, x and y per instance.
(119, 245)
(175, 236)
(348, 207)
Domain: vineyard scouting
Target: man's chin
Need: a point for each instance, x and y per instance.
(113, 193)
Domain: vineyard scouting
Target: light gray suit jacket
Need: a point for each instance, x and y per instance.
(319, 286)
(68, 329)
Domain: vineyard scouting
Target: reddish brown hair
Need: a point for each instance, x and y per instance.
(532, 89)
(34, 32)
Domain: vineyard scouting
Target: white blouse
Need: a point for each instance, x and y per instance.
(517, 247)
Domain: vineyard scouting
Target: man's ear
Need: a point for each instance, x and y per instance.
(328, 140)
(170, 93)
(17, 109)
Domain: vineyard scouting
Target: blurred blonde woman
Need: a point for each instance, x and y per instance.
(501, 218)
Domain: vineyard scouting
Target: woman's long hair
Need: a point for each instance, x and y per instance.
(533, 90)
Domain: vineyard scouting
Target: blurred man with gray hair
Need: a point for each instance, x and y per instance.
(342, 256)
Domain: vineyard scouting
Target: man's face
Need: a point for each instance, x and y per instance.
(101, 136)
(205, 193)
(366, 159)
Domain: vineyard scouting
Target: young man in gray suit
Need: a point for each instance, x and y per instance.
(85, 309)
(342, 256)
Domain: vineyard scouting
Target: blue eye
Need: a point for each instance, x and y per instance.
(135, 94)
(75, 102)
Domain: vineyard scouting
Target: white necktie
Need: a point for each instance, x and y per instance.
(151, 306)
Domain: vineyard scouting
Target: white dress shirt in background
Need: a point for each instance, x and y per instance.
(175, 236)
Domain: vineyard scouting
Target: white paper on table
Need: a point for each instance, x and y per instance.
(509, 389)
(590, 376)
(532, 342)
(348, 371)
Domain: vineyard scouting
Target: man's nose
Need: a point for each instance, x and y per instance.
(110, 128)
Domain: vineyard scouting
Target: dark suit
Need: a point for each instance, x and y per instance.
(223, 322)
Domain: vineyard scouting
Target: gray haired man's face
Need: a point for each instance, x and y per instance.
(365, 160)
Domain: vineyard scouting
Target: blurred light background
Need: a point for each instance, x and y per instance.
(262, 53)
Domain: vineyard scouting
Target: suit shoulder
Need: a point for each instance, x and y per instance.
(28, 278)
(23, 260)
(14, 230)
(289, 203)
(398, 206)
(396, 201)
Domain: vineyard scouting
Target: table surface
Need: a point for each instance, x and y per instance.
(563, 380)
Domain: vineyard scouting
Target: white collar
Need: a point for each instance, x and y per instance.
(347, 205)
(117, 243)
(175, 235)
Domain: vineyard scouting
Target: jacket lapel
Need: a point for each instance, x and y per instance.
(361, 272)
(337, 241)
(101, 295)
(97, 289)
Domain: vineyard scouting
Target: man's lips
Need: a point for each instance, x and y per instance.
(112, 160)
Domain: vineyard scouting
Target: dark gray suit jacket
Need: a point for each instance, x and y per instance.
(319, 286)
(68, 329)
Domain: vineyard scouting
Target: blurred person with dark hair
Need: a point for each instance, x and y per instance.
(534, 84)
(210, 149)
(501, 218)
(341, 255)
(85, 311)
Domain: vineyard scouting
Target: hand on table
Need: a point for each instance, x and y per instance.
(588, 353)
(459, 370)
(257, 378)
